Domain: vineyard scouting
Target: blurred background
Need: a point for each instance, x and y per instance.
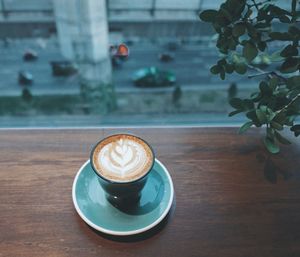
(60, 65)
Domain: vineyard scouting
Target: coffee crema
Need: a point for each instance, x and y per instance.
(122, 158)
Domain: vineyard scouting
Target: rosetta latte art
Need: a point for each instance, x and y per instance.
(122, 157)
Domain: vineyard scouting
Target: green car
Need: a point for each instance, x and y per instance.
(153, 77)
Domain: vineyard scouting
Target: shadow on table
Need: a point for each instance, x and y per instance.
(282, 166)
(251, 155)
(142, 236)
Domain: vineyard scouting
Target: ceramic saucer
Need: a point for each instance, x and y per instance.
(90, 202)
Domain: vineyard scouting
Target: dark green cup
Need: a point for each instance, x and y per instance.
(122, 194)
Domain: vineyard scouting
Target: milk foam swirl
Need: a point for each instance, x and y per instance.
(123, 159)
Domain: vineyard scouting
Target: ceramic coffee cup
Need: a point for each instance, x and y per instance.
(122, 163)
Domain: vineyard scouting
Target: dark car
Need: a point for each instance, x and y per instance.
(30, 55)
(63, 68)
(153, 77)
(166, 57)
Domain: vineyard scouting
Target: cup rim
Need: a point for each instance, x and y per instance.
(120, 182)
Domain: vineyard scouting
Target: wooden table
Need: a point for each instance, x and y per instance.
(226, 203)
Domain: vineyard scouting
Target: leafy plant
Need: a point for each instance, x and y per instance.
(246, 31)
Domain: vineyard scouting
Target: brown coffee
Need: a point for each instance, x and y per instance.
(122, 158)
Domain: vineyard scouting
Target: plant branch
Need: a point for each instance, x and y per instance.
(255, 4)
(270, 74)
(289, 104)
(258, 4)
(273, 73)
(261, 72)
(258, 74)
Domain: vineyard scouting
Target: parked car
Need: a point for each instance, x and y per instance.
(63, 68)
(30, 55)
(153, 77)
(166, 57)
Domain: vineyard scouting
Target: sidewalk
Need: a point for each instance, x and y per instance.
(195, 119)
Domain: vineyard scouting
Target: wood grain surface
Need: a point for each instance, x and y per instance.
(231, 200)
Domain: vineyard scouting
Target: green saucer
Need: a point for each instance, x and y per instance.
(92, 206)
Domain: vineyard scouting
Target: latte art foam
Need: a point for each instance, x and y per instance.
(122, 158)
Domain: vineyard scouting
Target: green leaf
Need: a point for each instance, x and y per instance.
(293, 82)
(271, 146)
(232, 44)
(222, 62)
(276, 125)
(262, 45)
(208, 15)
(222, 73)
(245, 127)
(279, 11)
(289, 50)
(289, 65)
(226, 14)
(239, 29)
(273, 82)
(217, 27)
(261, 115)
(229, 68)
(265, 89)
(281, 139)
(240, 68)
(252, 32)
(275, 57)
(262, 14)
(262, 25)
(280, 117)
(248, 104)
(215, 69)
(222, 21)
(252, 116)
(280, 36)
(255, 97)
(284, 19)
(270, 114)
(294, 32)
(234, 113)
(250, 51)
(237, 103)
(237, 7)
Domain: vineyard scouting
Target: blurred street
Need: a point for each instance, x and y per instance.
(190, 65)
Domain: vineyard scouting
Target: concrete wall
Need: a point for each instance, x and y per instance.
(18, 5)
(83, 26)
(151, 18)
(83, 36)
(26, 10)
(42, 10)
(35, 10)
